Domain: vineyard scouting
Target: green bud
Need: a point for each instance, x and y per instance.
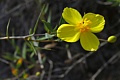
(37, 74)
(112, 39)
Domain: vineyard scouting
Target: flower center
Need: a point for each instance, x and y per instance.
(84, 25)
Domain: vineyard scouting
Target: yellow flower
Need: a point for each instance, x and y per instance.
(25, 75)
(14, 71)
(19, 62)
(81, 28)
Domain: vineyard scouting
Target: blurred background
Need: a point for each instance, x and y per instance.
(56, 60)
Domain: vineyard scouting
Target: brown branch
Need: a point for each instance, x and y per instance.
(77, 62)
(105, 65)
(28, 38)
(16, 37)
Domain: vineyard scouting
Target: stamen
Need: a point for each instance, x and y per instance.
(83, 26)
(84, 29)
(86, 22)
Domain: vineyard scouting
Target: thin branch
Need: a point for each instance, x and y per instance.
(42, 75)
(16, 78)
(50, 69)
(21, 37)
(16, 37)
(69, 54)
(4, 61)
(40, 60)
(21, 6)
(104, 3)
(27, 38)
(105, 65)
(77, 62)
(43, 40)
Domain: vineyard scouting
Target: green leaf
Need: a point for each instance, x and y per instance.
(43, 10)
(62, 21)
(24, 51)
(30, 31)
(47, 26)
(7, 34)
(10, 57)
(49, 16)
(47, 36)
(31, 49)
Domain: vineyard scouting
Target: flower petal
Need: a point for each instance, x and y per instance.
(68, 33)
(89, 41)
(72, 16)
(97, 22)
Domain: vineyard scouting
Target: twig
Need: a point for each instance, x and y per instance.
(4, 61)
(60, 69)
(115, 25)
(104, 3)
(27, 38)
(16, 78)
(69, 54)
(43, 40)
(40, 60)
(16, 37)
(50, 69)
(73, 58)
(42, 75)
(77, 62)
(21, 37)
(80, 60)
(22, 6)
(104, 65)
(38, 53)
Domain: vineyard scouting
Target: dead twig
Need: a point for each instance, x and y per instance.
(50, 69)
(27, 38)
(105, 65)
(77, 62)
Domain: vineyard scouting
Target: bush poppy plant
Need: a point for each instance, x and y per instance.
(82, 28)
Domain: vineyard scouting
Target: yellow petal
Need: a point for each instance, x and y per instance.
(72, 16)
(68, 33)
(89, 41)
(97, 22)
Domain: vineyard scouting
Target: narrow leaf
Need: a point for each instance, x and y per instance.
(47, 26)
(7, 34)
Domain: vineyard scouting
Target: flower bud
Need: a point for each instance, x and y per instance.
(112, 39)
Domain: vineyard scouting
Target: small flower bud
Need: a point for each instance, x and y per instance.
(19, 62)
(37, 74)
(25, 75)
(112, 39)
(14, 71)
